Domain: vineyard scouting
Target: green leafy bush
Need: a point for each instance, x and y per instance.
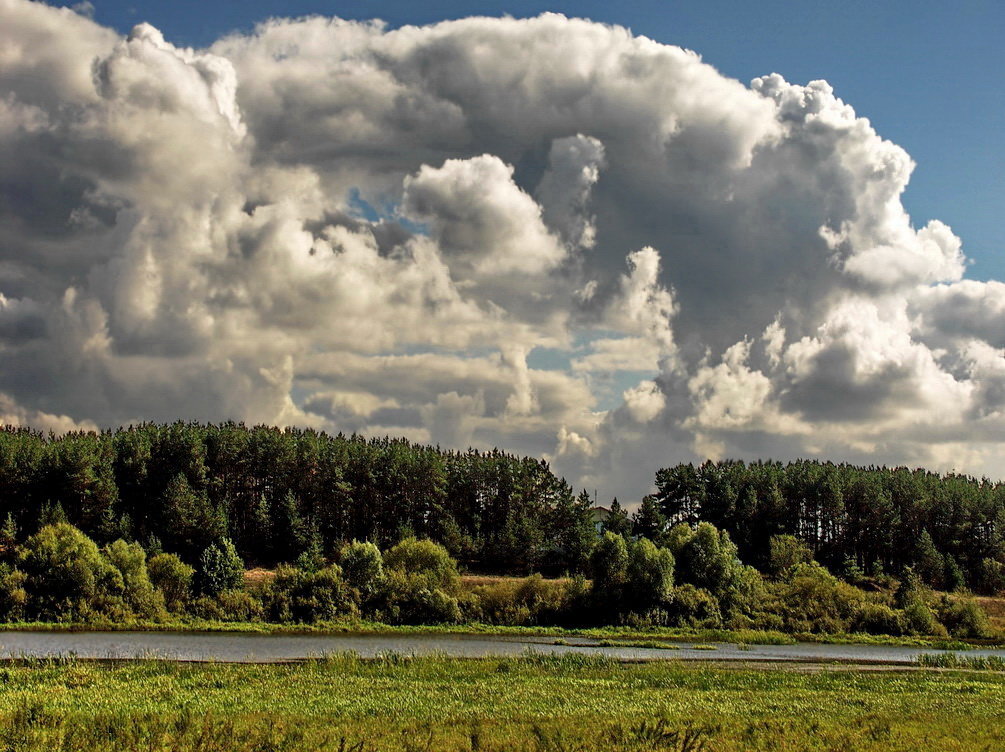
(307, 597)
(533, 600)
(690, 606)
(919, 620)
(66, 576)
(240, 605)
(425, 559)
(811, 599)
(785, 552)
(362, 568)
(609, 567)
(138, 592)
(650, 576)
(912, 597)
(991, 576)
(13, 596)
(496, 603)
(878, 619)
(962, 616)
(173, 578)
(220, 568)
(421, 584)
(409, 599)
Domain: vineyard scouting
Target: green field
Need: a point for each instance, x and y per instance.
(533, 704)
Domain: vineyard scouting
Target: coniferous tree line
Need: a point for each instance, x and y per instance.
(160, 522)
(277, 494)
(857, 521)
(281, 494)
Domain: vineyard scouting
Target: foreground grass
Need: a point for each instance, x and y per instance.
(531, 704)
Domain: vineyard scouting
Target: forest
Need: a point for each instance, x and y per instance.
(855, 520)
(156, 522)
(277, 493)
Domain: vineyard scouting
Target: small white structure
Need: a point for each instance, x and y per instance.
(600, 515)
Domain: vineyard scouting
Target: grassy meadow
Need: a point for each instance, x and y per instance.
(530, 704)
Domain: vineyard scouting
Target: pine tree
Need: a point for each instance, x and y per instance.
(8, 539)
(929, 563)
(617, 521)
(649, 521)
(51, 514)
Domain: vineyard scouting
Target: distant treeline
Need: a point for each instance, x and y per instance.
(280, 493)
(855, 520)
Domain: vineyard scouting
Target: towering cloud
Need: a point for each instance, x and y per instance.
(546, 234)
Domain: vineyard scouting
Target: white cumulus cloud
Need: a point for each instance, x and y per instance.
(546, 234)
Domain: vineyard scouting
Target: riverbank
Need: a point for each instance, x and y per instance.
(615, 633)
(578, 703)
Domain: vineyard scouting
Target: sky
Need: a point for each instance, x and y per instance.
(927, 73)
(626, 236)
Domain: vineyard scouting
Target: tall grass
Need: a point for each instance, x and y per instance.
(955, 660)
(533, 703)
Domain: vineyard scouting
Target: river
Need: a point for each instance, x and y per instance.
(268, 648)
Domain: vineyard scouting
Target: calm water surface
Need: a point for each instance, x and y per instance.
(265, 648)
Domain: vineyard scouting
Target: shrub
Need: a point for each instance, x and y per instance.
(650, 576)
(991, 576)
(173, 578)
(66, 575)
(496, 603)
(240, 605)
(919, 620)
(8, 539)
(426, 559)
(955, 579)
(878, 619)
(813, 600)
(910, 589)
(533, 600)
(576, 606)
(206, 607)
(707, 558)
(544, 599)
(785, 552)
(13, 596)
(742, 596)
(138, 592)
(409, 599)
(962, 616)
(911, 596)
(609, 567)
(693, 607)
(307, 597)
(220, 568)
(362, 568)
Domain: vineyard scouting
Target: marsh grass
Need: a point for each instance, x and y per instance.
(533, 703)
(651, 644)
(954, 660)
